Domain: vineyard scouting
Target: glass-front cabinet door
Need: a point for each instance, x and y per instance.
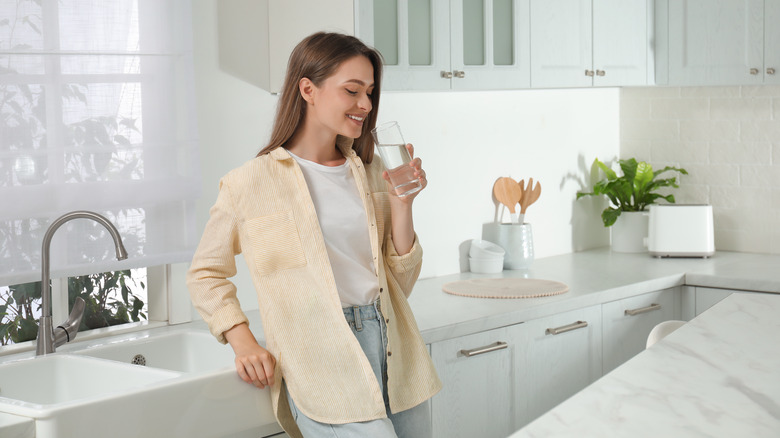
(413, 38)
(442, 44)
(490, 44)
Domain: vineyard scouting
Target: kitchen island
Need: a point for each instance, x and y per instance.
(716, 376)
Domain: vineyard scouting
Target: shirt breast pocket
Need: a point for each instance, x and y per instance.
(275, 242)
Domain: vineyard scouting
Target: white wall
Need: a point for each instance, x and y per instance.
(466, 141)
(728, 138)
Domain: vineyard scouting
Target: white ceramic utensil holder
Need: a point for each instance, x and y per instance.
(516, 239)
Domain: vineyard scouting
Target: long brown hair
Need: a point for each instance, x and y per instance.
(318, 57)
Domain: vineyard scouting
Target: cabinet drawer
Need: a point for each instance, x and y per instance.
(628, 322)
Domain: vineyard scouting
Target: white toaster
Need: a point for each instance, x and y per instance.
(681, 230)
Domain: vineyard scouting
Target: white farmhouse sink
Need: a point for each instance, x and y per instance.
(184, 351)
(188, 388)
(55, 379)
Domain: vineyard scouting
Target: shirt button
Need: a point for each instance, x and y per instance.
(389, 353)
(387, 321)
(381, 289)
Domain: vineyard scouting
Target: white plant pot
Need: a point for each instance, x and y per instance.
(629, 232)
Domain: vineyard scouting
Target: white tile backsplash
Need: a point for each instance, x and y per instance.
(728, 138)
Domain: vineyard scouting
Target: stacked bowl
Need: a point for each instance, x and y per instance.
(486, 257)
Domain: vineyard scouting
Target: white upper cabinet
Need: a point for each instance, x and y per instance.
(772, 42)
(718, 42)
(441, 44)
(583, 43)
(256, 37)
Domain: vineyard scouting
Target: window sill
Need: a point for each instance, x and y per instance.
(90, 335)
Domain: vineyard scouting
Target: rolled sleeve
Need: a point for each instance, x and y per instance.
(407, 262)
(213, 295)
(404, 268)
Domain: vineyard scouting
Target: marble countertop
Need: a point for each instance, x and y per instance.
(593, 277)
(716, 376)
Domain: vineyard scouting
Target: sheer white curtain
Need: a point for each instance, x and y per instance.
(96, 113)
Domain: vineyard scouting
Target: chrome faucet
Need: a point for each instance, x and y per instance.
(50, 338)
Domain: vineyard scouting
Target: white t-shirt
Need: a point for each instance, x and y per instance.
(344, 225)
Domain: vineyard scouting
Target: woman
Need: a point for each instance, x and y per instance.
(333, 257)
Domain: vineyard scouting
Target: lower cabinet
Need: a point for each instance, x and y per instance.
(628, 322)
(497, 381)
(478, 375)
(556, 357)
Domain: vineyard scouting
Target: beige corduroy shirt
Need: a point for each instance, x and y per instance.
(265, 212)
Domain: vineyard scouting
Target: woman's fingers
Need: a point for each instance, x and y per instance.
(256, 369)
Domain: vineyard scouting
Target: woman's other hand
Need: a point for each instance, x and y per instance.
(254, 363)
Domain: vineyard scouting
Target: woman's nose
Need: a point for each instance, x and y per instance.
(365, 103)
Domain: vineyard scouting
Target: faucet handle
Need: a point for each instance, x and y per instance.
(67, 331)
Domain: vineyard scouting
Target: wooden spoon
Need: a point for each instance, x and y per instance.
(508, 192)
(496, 202)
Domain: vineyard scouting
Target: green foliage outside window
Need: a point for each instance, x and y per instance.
(109, 301)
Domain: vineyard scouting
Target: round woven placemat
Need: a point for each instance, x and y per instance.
(505, 288)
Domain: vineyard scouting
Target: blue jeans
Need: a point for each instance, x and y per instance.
(368, 326)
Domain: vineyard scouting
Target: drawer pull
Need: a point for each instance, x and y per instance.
(650, 308)
(482, 350)
(566, 328)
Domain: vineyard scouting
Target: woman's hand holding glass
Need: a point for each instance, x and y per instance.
(419, 173)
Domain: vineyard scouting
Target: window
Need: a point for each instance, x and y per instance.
(113, 298)
(96, 113)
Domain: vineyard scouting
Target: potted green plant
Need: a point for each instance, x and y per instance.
(629, 195)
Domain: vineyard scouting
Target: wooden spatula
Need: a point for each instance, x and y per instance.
(508, 192)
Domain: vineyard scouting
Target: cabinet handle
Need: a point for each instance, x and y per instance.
(482, 350)
(600, 73)
(753, 71)
(650, 308)
(566, 328)
(459, 74)
(589, 73)
(446, 74)
(770, 71)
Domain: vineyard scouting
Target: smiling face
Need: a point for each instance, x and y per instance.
(341, 103)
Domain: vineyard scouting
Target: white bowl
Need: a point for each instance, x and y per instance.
(492, 265)
(483, 249)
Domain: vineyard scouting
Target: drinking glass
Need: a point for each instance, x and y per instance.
(392, 148)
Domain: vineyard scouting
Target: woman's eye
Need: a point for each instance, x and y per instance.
(353, 93)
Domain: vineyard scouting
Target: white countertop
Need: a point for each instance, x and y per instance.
(593, 277)
(716, 376)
